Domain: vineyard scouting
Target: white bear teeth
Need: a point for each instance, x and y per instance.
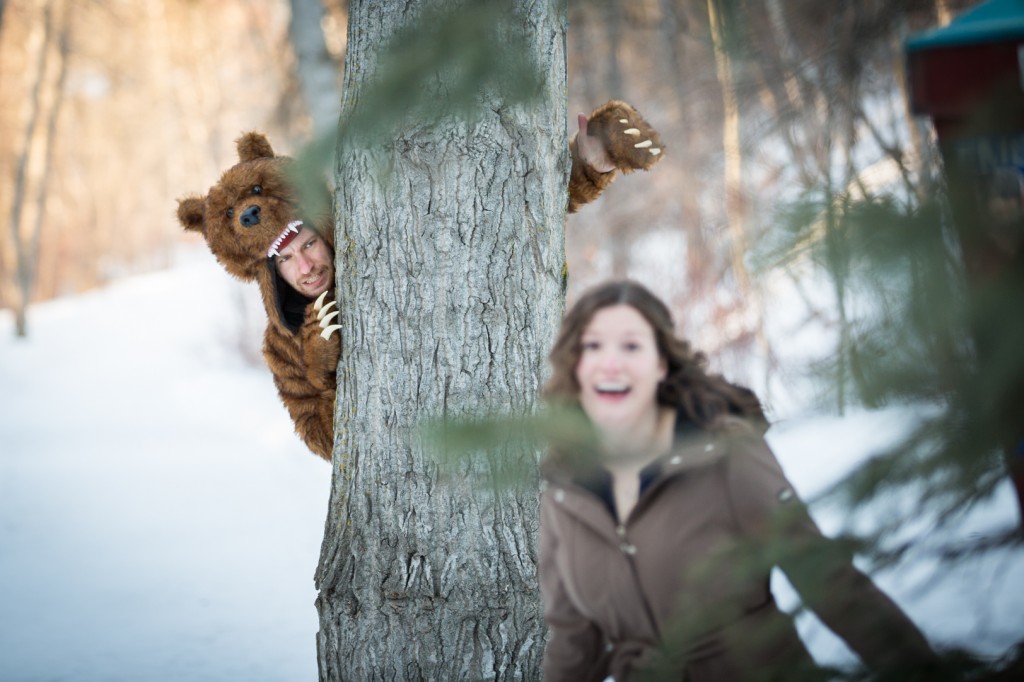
(292, 229)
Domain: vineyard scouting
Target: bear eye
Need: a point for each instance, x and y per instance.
(256, 189)
(231, 213)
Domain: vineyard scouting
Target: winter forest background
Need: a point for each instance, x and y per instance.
(792, 161)
(97, 93)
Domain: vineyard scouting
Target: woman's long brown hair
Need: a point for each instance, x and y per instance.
(701, 397)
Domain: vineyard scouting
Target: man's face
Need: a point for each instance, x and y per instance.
(307, 264)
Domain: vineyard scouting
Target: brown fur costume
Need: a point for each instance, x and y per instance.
(629, 141)
(252, 203)
(240, 217)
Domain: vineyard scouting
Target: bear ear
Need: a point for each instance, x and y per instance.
(191, 213)
(253, 145)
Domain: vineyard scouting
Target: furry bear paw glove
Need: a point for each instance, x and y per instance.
(614, 137)
(321, 342)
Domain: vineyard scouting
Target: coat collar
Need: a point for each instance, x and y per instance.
(694, 448)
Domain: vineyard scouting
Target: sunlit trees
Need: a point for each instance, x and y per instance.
(109, 112)
(34, 154)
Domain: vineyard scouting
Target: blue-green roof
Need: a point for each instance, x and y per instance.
(990, 22)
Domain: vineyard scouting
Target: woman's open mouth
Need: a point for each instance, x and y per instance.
(611, 391)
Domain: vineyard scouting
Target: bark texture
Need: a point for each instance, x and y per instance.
(450, 264)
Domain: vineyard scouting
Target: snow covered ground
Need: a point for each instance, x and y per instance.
(159, 520)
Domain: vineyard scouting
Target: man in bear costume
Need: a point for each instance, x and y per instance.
(253, 224)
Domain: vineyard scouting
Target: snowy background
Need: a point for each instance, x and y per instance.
(159, 520)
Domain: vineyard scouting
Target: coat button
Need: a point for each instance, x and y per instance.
(675, 460)
(559, 495)
(709, 447)
(628, 548)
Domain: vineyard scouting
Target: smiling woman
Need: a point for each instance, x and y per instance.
(618, 374)
(629, 309)
(656, 546)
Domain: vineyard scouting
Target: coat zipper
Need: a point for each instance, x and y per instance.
(629, 550)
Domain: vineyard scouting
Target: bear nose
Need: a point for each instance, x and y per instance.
(250, 216)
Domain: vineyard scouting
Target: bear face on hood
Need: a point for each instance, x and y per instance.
(248, 210)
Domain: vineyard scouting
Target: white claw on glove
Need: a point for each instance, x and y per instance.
(325, 315)
(643, 145)
(325, 309)
(635, 132)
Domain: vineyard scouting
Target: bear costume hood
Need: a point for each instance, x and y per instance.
(248, 216)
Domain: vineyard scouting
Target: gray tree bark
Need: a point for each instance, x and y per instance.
(450, 258)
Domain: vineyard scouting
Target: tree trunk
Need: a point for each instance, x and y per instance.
(450, 284)
(735, 197)
(582, 44)
(48, 143)
(613, 24)
(316, 70)
(35, 157)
